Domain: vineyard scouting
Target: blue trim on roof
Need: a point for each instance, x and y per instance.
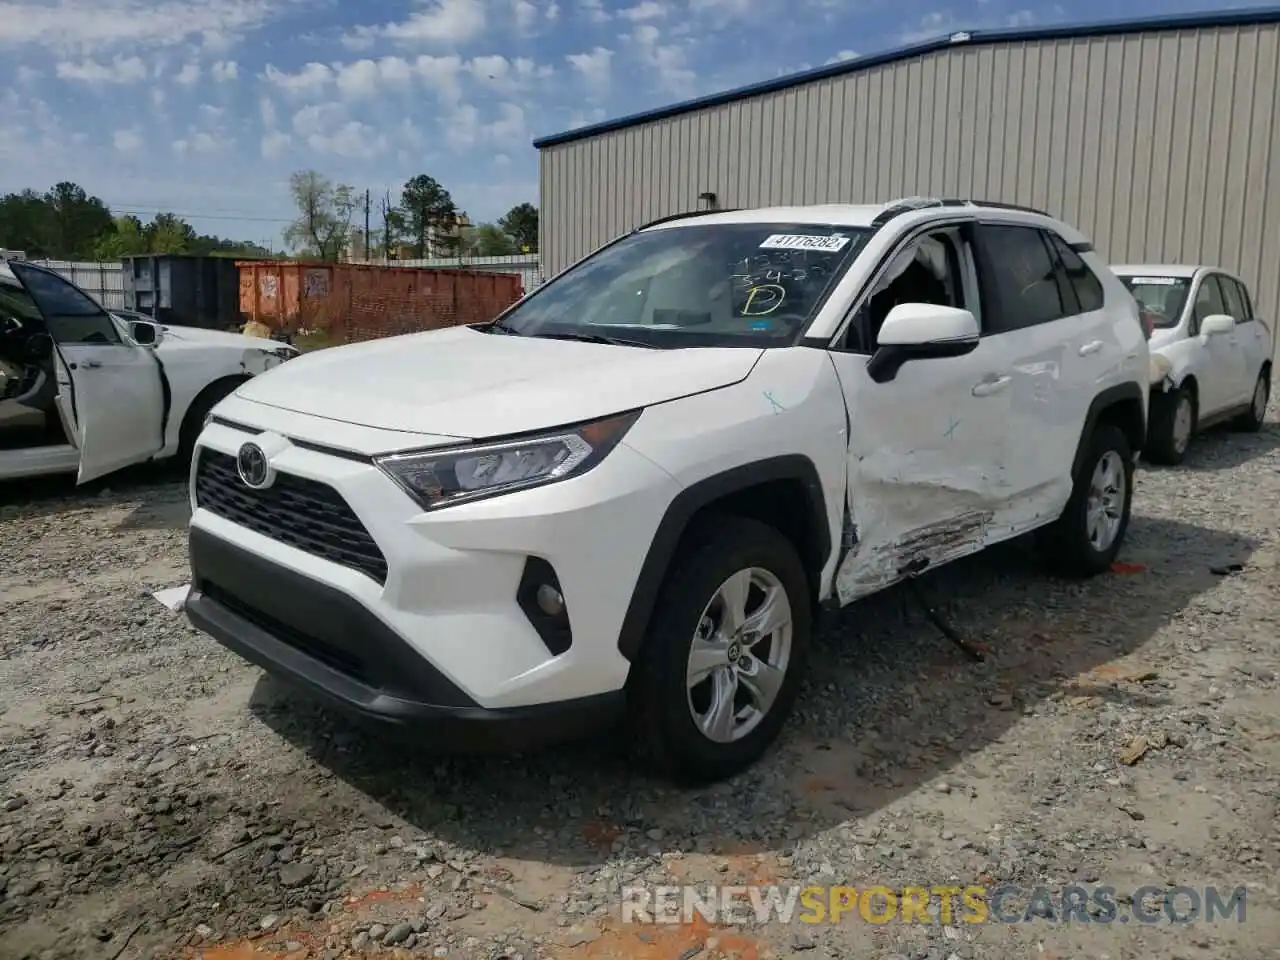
(1239, 17)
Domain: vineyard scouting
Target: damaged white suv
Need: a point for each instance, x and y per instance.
(630, 494)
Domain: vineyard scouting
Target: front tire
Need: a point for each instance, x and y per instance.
(197, 413)
(1086, 539)
(721, 665)
(1172, 427)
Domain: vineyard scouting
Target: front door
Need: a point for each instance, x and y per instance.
(110, 390)
(1223, 370)
(925, 476)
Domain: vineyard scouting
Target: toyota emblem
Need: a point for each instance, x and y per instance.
(252, 465)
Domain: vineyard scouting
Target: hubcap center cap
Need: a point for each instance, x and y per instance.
(734, 652)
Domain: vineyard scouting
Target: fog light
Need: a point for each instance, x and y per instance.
(550, 600)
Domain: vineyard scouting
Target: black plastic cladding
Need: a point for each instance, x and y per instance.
(555, 633)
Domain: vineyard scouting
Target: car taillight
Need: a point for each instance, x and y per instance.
(1148, 323)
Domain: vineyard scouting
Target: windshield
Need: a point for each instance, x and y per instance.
(1160, 298)
(724, 284)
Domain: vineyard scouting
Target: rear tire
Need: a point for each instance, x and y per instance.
(672, 711)
(1086, 539)
(1252, 421)
(1172, 427)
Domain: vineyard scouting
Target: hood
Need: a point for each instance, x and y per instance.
(216, 337)
(463, 383)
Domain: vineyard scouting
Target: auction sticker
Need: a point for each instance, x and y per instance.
(800, 241)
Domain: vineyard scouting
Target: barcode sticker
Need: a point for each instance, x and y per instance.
(799, 241)
(1154, 281)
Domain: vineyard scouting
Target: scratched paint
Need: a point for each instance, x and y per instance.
(895, 503)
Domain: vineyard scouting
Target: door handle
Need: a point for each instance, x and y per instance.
(987, 387)
(1093, 346)
(93, 364)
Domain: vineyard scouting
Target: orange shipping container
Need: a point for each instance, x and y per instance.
(360, 301)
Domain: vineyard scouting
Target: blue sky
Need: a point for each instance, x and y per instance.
(204, 107)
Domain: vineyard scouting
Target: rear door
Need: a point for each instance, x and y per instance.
(109, 389)
(1254, 342)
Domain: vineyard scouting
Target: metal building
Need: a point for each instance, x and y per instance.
(1159, 138)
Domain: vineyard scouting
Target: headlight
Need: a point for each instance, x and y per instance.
(440, 478)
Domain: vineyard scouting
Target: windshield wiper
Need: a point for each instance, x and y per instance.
(594, 338)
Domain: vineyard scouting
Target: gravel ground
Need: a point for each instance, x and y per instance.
(159, 797)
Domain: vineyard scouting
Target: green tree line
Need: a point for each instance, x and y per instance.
(336, 219)
(66, 223)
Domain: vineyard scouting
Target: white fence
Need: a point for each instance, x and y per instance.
(528, 265)
(103, 281)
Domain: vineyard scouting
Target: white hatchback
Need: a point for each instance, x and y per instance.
(1211, 356)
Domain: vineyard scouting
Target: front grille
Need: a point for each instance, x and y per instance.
(305, 514)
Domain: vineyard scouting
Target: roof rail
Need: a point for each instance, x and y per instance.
(896, 208)
(681, 216)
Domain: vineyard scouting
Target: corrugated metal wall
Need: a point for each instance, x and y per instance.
(1161, 146)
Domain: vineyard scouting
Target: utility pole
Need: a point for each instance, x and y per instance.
(386, 227)
(366, 225)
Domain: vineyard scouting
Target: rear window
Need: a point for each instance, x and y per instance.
(1161, 299)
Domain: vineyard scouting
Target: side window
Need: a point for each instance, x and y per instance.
(927, 270)
(71, 315)
(1245, 300)
(1087, 287)
(1208, 301)
(1231, 296)
(1024, 277)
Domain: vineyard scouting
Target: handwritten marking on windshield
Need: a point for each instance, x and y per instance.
(777, 407)
(951, 429)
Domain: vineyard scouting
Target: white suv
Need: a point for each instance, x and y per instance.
(631, 493)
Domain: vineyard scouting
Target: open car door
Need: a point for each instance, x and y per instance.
(109, 389)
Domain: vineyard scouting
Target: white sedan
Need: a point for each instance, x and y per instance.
(88, 392)
(1211, 355)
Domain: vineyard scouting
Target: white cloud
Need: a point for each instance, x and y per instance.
(326, 128)
(668, 61)
(188, 75)
(843, 55)
(274, 144)
(311, 79)
(225, 71)
(28, 75)
(525, 15)
(645, 10)
(366, 78)
(118, 70)
(439, 22)
(596, 68)
(440, 75)
(580, 118)
(127, 141)
(594, 11)
(86, 26)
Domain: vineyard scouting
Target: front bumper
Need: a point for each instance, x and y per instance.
(438, 631)
(317, 637)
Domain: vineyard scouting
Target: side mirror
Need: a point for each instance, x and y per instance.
(1217, 324)
(921, 331)
(39, 348)
(145, 334)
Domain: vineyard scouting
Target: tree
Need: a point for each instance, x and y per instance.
(488, 240)
(521, 225)
(430, 214)
(324, 215)
(169, 234)
(77, 220)
(127, 238)
(393, 225)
